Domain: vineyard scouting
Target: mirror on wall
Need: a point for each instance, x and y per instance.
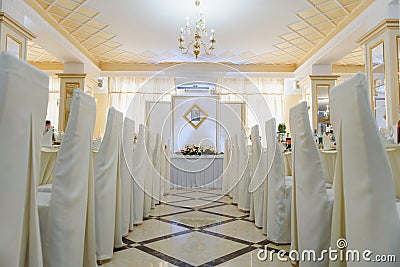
(377, 68)
(323, 116)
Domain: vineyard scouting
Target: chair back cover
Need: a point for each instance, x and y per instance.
(128, 134)
(259, 174)
(157, 169)
(47, 139)
(148, 177)
(234, 172)
(138, 170)
(70, 231)
(277, 195)
(364, 211)
(108, 188)
(311, 212)
(225, 164)
(167, 176)
(23, 102)
(244, 172)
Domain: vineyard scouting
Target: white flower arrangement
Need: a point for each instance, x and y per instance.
(197, 150)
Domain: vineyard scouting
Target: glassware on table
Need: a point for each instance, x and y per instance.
(387, 133)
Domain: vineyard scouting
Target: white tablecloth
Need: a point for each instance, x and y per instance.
(47, 163)
(196, 171)
(329, 160)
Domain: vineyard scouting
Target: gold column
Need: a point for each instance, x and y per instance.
(320, 90)
(13, 36)
(68, 82)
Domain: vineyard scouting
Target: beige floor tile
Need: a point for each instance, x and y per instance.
(251, 259)
(196, 218)
(227, 210)
(160, 210)
(135, 258)
(224, 199)
(196, 194)
(196, 248)
(151, 229)
(174, 198)
(240, 229)
(195, 203)
(279, 247)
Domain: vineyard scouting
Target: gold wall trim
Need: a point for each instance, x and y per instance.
(163, 66)
(47, 66)
(71, 75)
(324, 77)
(16, 26)
(384, 25)
(348, 68)
(365, 4)
(61, 30)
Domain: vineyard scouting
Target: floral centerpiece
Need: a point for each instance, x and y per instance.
(197, 150)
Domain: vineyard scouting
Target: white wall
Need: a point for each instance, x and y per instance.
(231, 121)
(158, 118)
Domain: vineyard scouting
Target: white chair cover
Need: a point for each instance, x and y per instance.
(311, 207)
(234, 172)
(23, 103)
(108, 188)
(244, 172)
(167, 169)
(226, 162)
(279, 195)
(138, 170)
(128, 134)
(148, 177)
(327, 143)
(69, 239)
(157, 169)
(259, 173)
(364, 211)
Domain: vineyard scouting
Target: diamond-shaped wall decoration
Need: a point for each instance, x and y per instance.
(195, 116)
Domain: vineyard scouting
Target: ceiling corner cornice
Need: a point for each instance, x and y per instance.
(35, 6)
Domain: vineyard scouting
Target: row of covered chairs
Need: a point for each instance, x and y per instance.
(303, 210)
(95, 198)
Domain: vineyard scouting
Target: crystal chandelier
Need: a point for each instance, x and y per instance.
(197, 35)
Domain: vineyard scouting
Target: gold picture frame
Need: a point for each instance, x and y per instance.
(195, 116)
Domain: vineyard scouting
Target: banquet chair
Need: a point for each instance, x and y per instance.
(167, 169)
(244, 172)
(234, 170)
(128, 133)
(157, 169)
(23, 103)
(256, 186)
(311, 202)
(278, 193)
(67, 213)
(148, 174)
(138, 171)
(364, 211)
(225, 166)
(108, 188)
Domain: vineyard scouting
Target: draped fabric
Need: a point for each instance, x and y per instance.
(148, 173)
(108, 188)
(23, 103)
(69, 238)
(235, 171)
(279, 195)
(167, 169)
(244, 172)
(138, 171)
(256, 186)
(129, 94)
(259, 109)
(364, 211)
(126, 177)
(226, 162)
(157, 169)
(310, 227)
(53, 101)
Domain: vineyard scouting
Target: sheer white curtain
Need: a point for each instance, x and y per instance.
(263, 97)
(54, 100)
(129, 94)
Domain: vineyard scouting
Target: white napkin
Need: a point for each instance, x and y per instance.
(47, 139)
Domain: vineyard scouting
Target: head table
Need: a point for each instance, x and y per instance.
(196, 171)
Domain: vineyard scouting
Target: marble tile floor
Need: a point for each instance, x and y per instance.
(198, 227)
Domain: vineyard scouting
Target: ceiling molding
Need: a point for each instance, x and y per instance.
(365, 4)
(165, 66)
(384, 25)
(13, 24)
(33, 4)
(48, 66)
(347, 68)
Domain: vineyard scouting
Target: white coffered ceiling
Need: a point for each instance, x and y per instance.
(277, 32)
